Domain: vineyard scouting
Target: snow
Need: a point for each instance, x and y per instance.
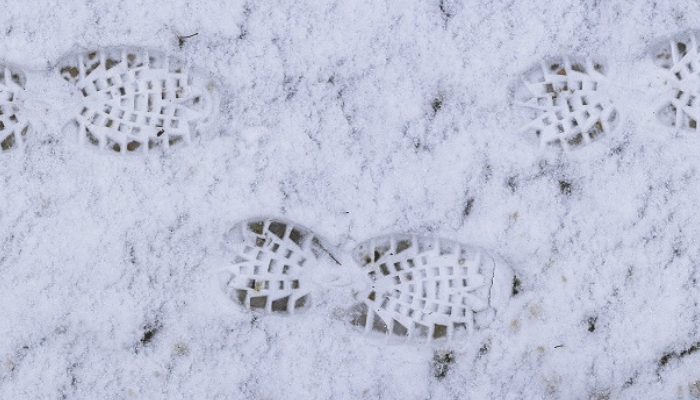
(328, 118)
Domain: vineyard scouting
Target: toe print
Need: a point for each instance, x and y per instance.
(135, 100)
(424, 286)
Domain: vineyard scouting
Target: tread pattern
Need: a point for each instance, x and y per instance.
(568, 110)
(13, 126)
(135, 99)
(422, 286)
(268, 259)
(681, 58)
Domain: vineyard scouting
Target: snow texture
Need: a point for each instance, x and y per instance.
(355, 119)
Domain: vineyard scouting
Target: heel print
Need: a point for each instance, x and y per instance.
(270, 264)
(568, 110)
(680, 57)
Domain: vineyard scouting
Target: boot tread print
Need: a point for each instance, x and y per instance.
(428, 287)
(134, 100)
(680, 58)
(13, 126)
(568, 110)
(269, 259)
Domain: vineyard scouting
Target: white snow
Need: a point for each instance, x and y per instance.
(327, 118)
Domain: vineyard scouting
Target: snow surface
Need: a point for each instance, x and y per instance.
(327, 119)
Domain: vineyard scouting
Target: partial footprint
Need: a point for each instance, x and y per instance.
(13, 126)
(272, 264)
(135, 99)
(680, 57)
(425, 286)
(567, 108)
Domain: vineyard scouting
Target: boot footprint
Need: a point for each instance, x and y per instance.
(567, 108)
(428, 287)
(134, 100)
(272, 264)
(680, 58)
(13, 125)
